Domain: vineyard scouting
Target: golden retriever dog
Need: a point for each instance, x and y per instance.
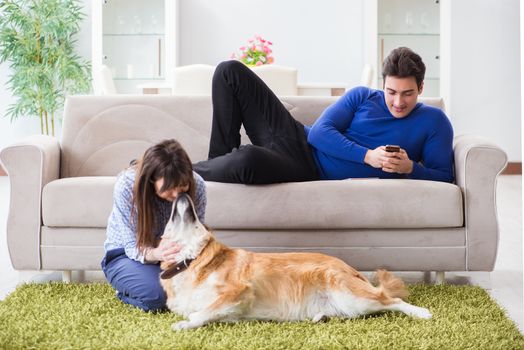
(215, 283)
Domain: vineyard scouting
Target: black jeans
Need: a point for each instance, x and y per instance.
(279, 151)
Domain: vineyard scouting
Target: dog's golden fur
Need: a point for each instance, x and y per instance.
(225, 284)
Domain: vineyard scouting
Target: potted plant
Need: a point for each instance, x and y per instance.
(37, 38)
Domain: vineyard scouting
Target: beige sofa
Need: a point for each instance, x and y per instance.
(61, 195)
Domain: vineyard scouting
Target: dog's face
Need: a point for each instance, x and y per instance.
(183, 225)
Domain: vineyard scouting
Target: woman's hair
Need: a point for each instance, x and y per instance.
(166, 160)
(402, 62)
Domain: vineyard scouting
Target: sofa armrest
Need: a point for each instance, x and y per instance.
(30, 165)
(477, 166)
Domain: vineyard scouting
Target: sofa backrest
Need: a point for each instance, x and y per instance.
(102, 134)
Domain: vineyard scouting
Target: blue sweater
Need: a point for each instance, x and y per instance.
(360, 120)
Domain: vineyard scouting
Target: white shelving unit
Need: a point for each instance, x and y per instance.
(412, 23)
(136, 39)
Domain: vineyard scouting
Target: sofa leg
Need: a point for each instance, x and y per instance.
(66, 276)
(427, 277)
(81, 276)
(441, 277)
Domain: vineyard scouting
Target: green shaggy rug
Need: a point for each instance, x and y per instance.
(88, 316)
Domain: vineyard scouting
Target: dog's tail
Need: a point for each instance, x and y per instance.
(390, 286)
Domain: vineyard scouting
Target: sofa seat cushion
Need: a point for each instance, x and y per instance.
(345, 204)
(355, 203)
(78, 201)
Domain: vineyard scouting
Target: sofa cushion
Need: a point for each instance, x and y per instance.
(101, 134)
(364, 203)
(78, 202)
(356, 203)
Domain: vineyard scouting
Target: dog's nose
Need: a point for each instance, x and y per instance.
(184, 210)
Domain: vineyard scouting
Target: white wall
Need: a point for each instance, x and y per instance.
(323, 39)
(484, 77)
(484, 54)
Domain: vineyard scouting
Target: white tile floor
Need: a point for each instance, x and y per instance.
(504, 283)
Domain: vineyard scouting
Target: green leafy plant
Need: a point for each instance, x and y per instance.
(37, 38)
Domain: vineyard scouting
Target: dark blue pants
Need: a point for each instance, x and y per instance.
(136, 283)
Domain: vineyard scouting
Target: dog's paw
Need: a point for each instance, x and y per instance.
(320, 317)
(422, 313)
(181, 325)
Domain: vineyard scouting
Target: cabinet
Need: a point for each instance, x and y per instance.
(411, 23)
(135, 39)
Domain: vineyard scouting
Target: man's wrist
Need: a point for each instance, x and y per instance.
(366, 157)
(410, 168)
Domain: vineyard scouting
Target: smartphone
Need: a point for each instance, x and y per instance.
(392, 148)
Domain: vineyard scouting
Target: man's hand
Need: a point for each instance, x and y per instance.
(166, 251)
(376, 157)
(390, 162)
(398, 162)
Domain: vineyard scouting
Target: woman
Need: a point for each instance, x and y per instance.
(143, 197)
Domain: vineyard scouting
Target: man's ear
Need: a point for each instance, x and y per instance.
(421, 88)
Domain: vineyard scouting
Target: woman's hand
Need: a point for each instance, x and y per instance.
(166, 251)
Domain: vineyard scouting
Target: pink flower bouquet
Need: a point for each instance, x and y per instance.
(256, 53)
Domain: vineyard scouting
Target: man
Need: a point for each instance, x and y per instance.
(347, 141)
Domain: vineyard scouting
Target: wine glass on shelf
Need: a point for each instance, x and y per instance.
(137, 24)
(121, 24)
(409, 21)
(388, 20)
(154, 24)
(424, 22)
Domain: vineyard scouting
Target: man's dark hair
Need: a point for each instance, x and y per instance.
(402, 62)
